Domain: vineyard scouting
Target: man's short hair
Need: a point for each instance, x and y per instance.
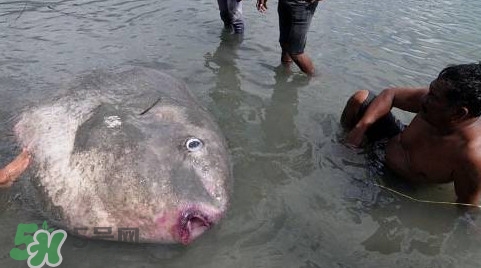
(464, 86)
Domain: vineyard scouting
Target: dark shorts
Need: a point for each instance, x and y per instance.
(294, 20)
(386, 127)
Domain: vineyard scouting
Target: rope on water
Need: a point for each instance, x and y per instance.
(424, 201)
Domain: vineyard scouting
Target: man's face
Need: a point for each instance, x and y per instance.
(435, 108)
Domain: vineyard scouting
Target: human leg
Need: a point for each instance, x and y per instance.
(295, 18)
(224, 13)
(385, 127)
(284, 15)
(304, 63)
(349, 117)
(285, 57)
(235, 8)
(231, 15)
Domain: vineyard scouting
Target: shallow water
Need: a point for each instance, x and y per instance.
(301, 198)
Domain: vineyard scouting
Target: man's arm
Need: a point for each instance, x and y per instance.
(467, 181)
(408, 99)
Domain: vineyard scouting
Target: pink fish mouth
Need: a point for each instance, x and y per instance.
(191, 224)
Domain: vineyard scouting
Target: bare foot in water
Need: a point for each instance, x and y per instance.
(12, 171)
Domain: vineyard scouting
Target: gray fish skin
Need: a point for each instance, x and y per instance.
(128, 149)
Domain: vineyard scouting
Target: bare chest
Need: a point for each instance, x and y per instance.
(422, 156)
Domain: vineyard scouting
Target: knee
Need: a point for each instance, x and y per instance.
(358, 97)
(296, 56)
(349, 114)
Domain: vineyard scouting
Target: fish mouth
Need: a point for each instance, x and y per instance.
(191, 224)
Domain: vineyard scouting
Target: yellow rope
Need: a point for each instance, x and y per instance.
(425, 201)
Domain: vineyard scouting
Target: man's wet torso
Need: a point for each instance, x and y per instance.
(420, 154)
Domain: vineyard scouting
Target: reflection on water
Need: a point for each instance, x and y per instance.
(301, 198)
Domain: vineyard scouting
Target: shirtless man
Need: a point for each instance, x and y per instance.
(12, 171)
(443, 141)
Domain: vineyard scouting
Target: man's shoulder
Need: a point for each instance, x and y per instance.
(471, 155)
(468, 168)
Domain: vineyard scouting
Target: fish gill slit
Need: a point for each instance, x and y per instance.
(151, 106)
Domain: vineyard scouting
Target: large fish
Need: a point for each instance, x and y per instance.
(128, 149)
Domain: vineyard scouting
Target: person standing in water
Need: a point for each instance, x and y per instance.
(231, 15)
(295, 18)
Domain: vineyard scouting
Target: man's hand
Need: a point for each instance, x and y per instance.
(261, 5)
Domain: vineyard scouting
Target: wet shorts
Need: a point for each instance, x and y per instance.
(386, 127)
(294, 20)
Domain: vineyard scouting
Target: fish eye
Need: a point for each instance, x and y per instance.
(193, 144)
